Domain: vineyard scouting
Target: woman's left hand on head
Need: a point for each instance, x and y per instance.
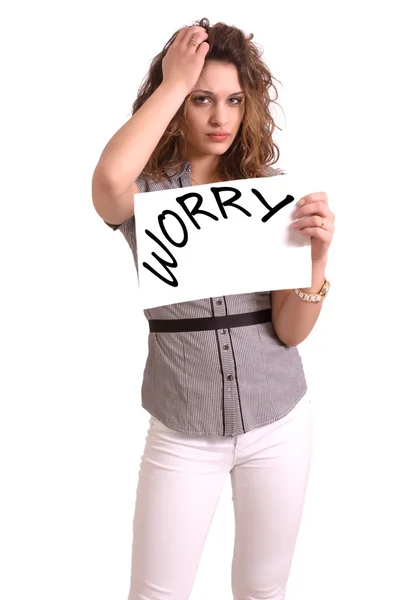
(316, 220)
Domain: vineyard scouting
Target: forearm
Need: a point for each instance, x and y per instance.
(128, 151)
(296, 317)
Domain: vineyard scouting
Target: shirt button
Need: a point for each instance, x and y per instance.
(225, 346)
(229, 377)
(219, 302)
(223, 331)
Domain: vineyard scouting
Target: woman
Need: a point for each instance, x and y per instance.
(223, 381)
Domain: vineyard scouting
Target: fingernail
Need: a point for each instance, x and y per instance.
(300, 202)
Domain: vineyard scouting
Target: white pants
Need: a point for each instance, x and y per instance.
(180, 481)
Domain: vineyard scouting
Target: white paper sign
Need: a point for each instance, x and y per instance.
(217, 239)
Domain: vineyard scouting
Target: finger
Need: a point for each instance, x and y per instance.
(196, 42)
(313, 208)
(317, 232)
(203, 49)
(313, 221)
(180, 36)
(315, 197)
(196, 32)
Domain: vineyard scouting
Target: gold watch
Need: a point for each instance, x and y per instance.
(314, 297)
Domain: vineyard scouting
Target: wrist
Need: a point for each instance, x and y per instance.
(180, 90)
(320, 264)
(318, 277)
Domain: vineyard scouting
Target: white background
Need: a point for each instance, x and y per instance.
(73, 338)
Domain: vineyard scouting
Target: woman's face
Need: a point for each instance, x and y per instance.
(215, 106)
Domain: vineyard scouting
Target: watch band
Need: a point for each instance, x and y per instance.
(314, 297)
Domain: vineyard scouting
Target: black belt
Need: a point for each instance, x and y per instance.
(205, 323)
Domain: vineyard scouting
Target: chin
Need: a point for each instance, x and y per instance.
(219, 151)
(216, 149)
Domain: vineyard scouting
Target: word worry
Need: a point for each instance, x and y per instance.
(191, 213)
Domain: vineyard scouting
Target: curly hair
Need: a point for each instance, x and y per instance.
(253, 149)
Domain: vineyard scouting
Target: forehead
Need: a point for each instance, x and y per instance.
(220, 78)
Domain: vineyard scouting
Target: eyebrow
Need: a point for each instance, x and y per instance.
(212, 93)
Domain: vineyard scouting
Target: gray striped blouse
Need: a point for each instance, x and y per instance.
(216, 382)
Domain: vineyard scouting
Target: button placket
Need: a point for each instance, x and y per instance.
(219, 307)
(231, 395)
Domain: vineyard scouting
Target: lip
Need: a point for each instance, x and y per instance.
(218, 137)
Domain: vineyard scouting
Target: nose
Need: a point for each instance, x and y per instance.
(219, 116)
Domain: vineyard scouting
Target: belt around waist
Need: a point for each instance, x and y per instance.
(207, 323)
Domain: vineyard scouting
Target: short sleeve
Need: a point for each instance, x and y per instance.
(142, 185)
(272, 172)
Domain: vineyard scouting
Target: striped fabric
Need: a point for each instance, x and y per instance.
(223, 382)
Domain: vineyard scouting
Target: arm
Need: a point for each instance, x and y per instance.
(292, 318)
(128, 151)
(122, 160)
(130, 148)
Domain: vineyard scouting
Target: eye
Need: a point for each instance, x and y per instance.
(237, 100)
(199, 99)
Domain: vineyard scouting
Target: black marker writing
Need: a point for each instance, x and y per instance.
(196, 210)
(161, 219)
(275, 209)
(165, 264)
(237, 194)
(191, 213)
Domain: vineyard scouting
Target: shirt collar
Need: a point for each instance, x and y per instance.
(185, 168)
